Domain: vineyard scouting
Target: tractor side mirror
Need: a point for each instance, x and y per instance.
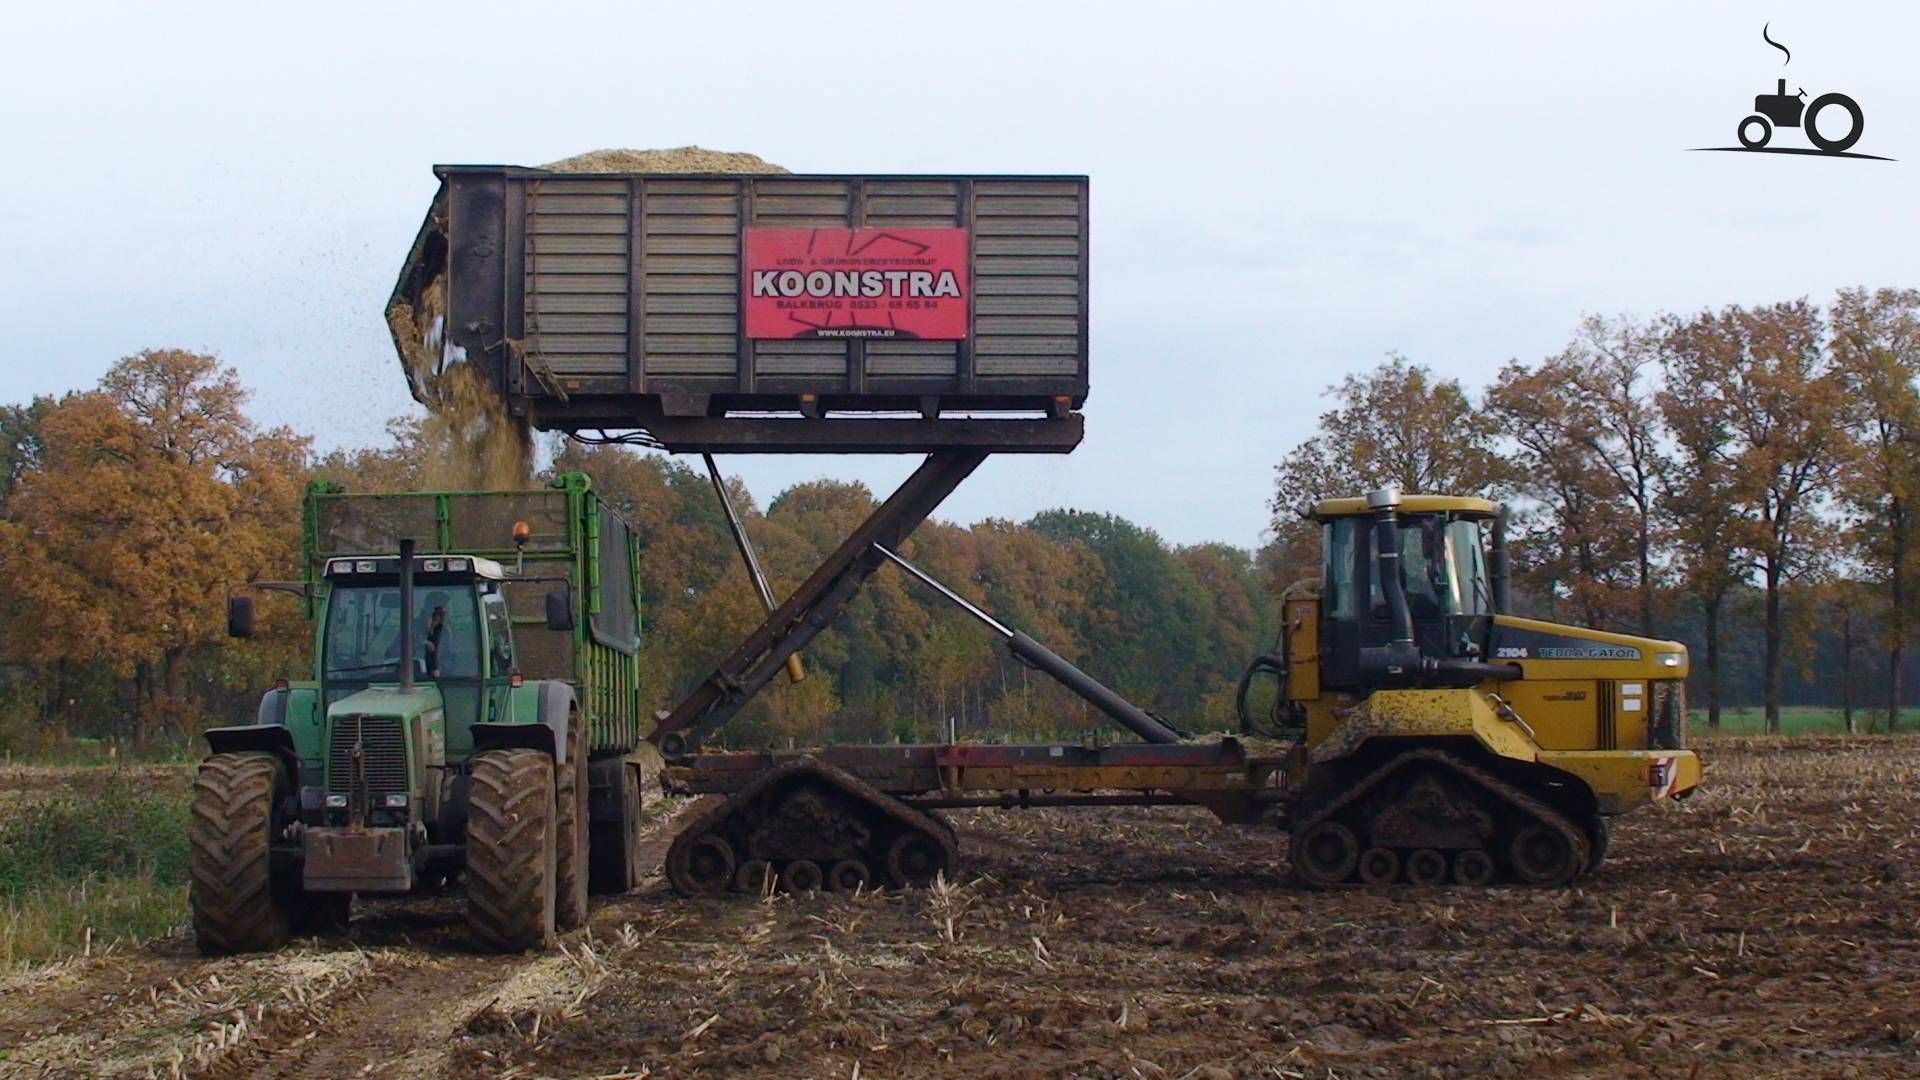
(559, 610)
(240, 616)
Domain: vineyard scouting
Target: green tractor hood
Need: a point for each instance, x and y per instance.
(400, 732)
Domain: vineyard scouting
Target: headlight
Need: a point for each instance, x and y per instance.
(1669, 659)
(396, 800)
(336, 802)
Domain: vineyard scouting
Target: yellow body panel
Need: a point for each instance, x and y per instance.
(1624, 779)
(1303, 645)
(1423, 714)
(1647, 665)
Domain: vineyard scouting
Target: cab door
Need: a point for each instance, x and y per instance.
(500, 659)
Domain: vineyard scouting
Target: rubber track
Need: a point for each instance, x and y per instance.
(1527, 804)
(570, 878)
(232, 894)
(511, 834)
(845, 782)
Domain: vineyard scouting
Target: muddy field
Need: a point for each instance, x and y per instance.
(1768, 927)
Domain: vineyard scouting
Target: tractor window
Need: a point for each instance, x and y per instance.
(1470, 592)
(1339, 542)
(362, 639)
(499, 632)
(1422, 572)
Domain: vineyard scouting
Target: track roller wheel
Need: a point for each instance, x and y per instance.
(1473, 867)
(1543, 856)
(755, 876)
(914, 860)
(1378, 866)
(512, 849)
(238, 904)
(704, 866)
(848, 875)
(1324, 853)
(802, 876)
(1426, 867)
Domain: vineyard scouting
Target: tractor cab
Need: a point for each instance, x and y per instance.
(1409, 588)
(458, 622)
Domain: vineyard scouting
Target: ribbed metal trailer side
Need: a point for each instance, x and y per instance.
(589, 298)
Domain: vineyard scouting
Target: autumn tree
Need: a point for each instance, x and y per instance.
(1570, 543)
(152, 497)
(1876, 350)
(1759, 388)
(1396, 424)
(1625, 438)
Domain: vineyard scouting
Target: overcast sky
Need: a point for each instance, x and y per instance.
(1281, 194)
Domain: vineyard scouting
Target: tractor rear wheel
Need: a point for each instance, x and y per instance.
(512, 850)
(613, 858)
(570, 890)
(238, 905)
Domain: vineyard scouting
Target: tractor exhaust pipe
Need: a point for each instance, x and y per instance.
(406, 615)
(1385, 503)
(1500, 565)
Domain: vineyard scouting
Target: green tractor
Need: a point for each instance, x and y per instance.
(473, 713)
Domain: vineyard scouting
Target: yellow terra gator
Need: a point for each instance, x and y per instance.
(1444, 736)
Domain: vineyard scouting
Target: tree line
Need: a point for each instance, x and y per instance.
(1669, 473)
(1741, 479)
(128, 511)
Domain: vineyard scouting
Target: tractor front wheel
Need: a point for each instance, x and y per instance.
(512, 831)
(1760, 136)
(238, 906)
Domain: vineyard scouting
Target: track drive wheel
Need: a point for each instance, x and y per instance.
(1324, 854)
(238, 904)
(571, 869)
(703, 865)
(1543, 856)
(512, 850)
(915, 860)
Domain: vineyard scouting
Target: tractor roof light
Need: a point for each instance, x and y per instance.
(522, 532)
(432, 566)
(457, 565)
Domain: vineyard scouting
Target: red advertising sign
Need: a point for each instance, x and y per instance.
(903, 284)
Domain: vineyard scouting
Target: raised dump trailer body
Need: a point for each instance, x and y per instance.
(631, 300)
